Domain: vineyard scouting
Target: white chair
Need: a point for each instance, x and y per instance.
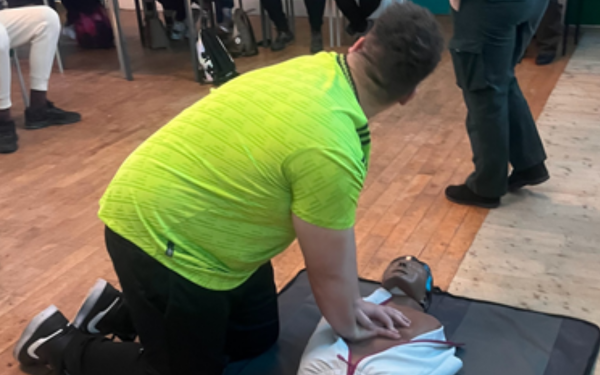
(16, 63)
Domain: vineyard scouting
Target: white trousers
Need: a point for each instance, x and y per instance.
(38, 25)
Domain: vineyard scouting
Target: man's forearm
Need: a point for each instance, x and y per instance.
(336, 296)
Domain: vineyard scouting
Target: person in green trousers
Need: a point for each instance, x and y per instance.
(490, 38)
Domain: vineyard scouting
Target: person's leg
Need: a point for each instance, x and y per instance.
(254, 325)
(274, 9)
(315, 10)
(39, 26)
(549, 33)
(357, 14)
(8, 135)
(482, 50)
(527, 154)
(5, 74)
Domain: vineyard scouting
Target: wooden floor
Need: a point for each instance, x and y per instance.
(541, 251)
(51, 245)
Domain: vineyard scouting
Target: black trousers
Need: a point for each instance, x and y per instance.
(315, 10)
(358, 13)
(549, 32)
(490, 37)
(182, 327)
(274, 9)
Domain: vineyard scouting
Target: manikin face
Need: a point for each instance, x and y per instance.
(406, 275)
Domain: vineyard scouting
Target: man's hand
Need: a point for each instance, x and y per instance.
(330, 257)
(376, 320)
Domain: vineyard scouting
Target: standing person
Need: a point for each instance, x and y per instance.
(490, 37)
(38, 26)
(548, 34)
(316, 11)
(195, 214)
(274, 9)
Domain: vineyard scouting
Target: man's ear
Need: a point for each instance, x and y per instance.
(407, 98)
(357, 45)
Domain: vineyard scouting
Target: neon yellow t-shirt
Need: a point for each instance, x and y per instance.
(210, 195)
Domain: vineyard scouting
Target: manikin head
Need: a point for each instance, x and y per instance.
(402, 49)
(409, 276)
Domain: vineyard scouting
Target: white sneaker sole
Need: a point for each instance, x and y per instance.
(35, 323)
(89, 302)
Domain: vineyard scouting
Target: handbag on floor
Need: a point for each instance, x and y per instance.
(93, 29)
(243, 34)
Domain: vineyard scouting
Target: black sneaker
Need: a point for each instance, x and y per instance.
(46, 336)
(8, 137)
(51, 115)
(100, 313)
(316, 42)
(463, 195)
(531, 176)
(545, 58)
(360, 33)
(283, 39)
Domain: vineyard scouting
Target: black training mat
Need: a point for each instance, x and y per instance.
(499, 340)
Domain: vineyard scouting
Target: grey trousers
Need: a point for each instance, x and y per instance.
(490, 37)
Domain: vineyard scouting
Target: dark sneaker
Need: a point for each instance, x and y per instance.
(316, 42)
(531, 176)
(360, 33)
(545, 58)
(463, 195)
(51, 115)
(45, 338)
(8, 137)
(283, 39)
(100, 313)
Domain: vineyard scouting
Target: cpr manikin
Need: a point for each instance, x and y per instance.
(421, 350)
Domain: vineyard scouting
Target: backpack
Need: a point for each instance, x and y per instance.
(217, 65)
(243, 34)
(94, 30)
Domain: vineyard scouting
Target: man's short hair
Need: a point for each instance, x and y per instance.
(402, 49)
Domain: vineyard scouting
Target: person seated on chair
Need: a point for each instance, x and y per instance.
(422, 348)
(39, 26)
(274, 9)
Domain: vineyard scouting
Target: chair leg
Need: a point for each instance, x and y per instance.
(21, 80)
(59, 62)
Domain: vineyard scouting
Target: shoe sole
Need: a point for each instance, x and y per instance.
(522, 184)
(88, 303)
(46, 124)
(482, 205)
(33, 326)
(8, 150)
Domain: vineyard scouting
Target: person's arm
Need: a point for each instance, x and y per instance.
(330, 257)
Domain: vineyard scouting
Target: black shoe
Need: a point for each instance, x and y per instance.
(44, 339)
(316, 42)
(283, 39)
(531, 176)
(461, 194)
(545, 58)
(51, 115)
(357, 33)
(99, 313)
(8, 137)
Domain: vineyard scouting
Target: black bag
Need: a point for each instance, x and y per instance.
(217, 65)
